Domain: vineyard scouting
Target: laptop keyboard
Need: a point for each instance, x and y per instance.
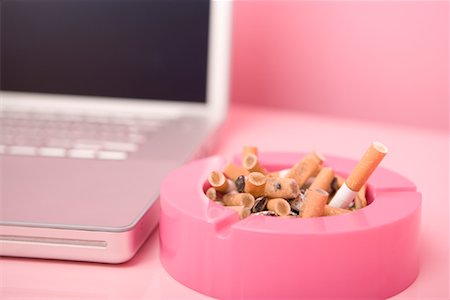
(74, 136)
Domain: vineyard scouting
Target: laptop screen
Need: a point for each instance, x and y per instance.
(146, 49)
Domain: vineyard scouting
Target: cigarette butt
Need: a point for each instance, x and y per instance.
(296, 205)
(340, 181)
(281, 174)
(319, 157)
(365, 167)
(233, 171)
(337, 182)
(255, 184)
(360, 198)
(343, 197)
(285, 188)
(265, 213)
(314, 204)
(250, 163)
(218, 181)
(334, 211)
(308, 166)
(222, 184)
(249, 149)
(242, 211)
(323, 179)
(280, 206)
(260, 204)
(211, 193)
(239, 199)
(240, 183)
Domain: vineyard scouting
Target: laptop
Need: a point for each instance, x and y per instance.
(99, 101)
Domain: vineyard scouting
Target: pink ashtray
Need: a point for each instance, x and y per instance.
(369, 253)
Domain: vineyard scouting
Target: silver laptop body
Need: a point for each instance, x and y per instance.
(80, 174)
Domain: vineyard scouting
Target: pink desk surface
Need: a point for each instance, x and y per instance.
(422, 155)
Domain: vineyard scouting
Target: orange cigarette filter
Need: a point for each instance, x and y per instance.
(239, 199)
(218, 181)
(280, 206)
(251, 163)
(285, 188)
(255, 184)
(281, 173)
(317, 156)
(308, 166)
(323, 179)
(314, 204)
(242, 211)
(334, 211)
(360, 198)
(340, 181)
(365, 167)
(233, 171)
(249, 149)
(211, 193)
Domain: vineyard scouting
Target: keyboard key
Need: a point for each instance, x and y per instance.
(52, 152)
(59, 143)
(125, 147)
(52, 134)
(91, 145)
(113, 155)
(82, 153)
(136, 138)
(21, 150)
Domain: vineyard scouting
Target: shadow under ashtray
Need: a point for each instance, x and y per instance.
(206, 246)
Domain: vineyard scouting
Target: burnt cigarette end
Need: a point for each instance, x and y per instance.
(260, 204)
(296, 205)
(240, 183)
(334, 185)
(266, 213)
(285, 188)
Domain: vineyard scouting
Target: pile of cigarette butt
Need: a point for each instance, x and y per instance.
(307, 189)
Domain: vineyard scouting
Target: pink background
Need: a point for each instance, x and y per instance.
(372, 60)
(364, 60)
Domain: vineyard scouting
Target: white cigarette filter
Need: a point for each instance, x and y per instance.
(365, 167)
(343, 197)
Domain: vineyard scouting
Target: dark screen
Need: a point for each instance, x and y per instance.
(148, 49)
